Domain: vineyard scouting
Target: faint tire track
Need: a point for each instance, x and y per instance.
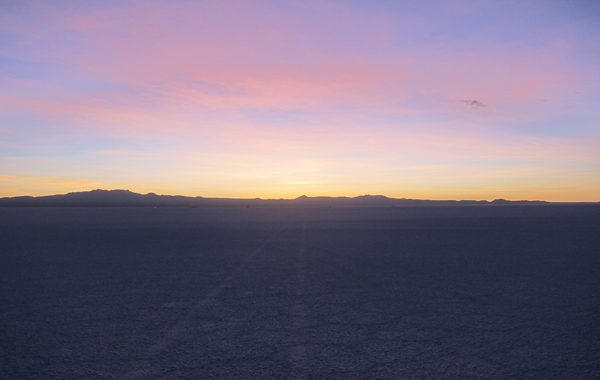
(172, 335)
(298, 345)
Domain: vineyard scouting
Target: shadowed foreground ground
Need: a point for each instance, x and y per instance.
(442, 293)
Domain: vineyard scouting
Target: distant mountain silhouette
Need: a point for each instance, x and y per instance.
(120, 198)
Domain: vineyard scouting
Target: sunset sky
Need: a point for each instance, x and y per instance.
(280, 98)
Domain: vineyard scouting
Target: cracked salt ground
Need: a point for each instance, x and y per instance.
(304, 294)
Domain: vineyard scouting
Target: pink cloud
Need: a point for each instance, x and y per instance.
(170, 62)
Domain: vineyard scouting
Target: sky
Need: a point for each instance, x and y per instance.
(281, 98)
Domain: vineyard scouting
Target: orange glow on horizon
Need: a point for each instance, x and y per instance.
(41, 186)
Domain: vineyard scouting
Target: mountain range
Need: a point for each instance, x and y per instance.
(126, 198)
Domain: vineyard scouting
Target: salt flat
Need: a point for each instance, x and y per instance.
(235, 293)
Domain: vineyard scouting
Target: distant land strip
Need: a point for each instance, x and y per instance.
(126, 198)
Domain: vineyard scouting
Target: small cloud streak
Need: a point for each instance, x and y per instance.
(302, 183)
(472, 103)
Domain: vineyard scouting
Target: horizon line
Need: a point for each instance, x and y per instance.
(499, 199)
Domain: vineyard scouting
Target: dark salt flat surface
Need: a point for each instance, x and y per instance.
(421, 293)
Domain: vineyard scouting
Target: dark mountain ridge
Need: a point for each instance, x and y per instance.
(116, 198)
